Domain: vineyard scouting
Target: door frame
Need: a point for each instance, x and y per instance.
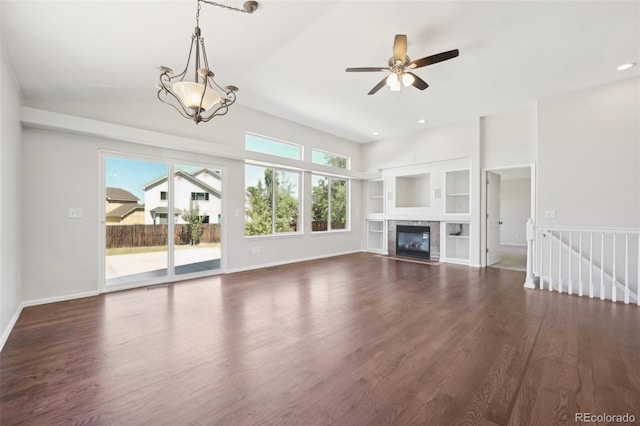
(171, 275)
(483, 202)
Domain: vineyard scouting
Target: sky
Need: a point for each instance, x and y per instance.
(134, 175)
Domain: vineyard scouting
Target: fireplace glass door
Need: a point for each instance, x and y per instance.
(413, 241)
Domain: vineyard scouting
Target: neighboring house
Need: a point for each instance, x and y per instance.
(122, 208)
(203, 187)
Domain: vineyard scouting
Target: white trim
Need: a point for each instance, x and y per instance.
(12, 323)
(483, 201)
(291, 261)
(55, 299)
(511, 244)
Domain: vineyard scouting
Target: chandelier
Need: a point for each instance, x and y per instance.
(202, 98)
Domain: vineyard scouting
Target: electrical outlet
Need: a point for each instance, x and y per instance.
(75, 212)
(255, 250)
(550, 214)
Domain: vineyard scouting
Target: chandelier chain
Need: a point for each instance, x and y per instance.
(224, 6)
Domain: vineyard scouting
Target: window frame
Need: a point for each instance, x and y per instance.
(274, 205)
(329, 179)
(194, 196)
(268, 139)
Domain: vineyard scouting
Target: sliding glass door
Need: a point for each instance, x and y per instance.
(198, 206)
(162, 221)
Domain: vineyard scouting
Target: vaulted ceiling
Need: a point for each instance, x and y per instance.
(289, 57)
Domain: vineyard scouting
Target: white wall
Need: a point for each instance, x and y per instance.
(509, 139)
(515, 209)
(589, 157)
(66, 251)
(229, 130)
(10, 200)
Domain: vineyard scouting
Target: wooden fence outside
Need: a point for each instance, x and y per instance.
(156, 235)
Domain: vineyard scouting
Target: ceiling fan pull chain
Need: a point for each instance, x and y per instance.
(249, 6)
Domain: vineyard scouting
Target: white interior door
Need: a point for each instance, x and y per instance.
(493, 218)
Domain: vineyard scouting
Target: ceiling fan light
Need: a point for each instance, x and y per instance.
(392, 80)
(396, 87)
(191, 96)
(407, 80)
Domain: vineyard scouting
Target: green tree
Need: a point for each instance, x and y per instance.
(338, 204)
(320, 201)
(336, 161)
(329, 203)
(259, 205)
(194, 223)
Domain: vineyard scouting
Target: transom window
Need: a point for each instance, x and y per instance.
(272, 146)
(329, 159)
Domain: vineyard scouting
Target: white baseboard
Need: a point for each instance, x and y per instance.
(36, 302)
(9, 328)
(55, 299)
(515, 245)
(286, 262)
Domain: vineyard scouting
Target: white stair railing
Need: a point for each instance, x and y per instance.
(593, 262)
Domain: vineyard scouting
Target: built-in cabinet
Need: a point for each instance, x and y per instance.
(454, 240)
(438, 192)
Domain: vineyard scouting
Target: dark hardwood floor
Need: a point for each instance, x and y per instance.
(351, 340)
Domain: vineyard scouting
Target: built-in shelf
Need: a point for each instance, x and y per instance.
(413, 190)
(375, 196)
(457, 191)
(376, 235)
(456, 241)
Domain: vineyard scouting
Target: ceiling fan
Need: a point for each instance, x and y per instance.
(400, 66)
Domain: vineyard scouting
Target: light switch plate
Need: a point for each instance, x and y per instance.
(550, 214)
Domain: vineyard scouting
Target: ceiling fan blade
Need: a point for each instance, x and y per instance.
(400, 48)
(366, 69)
(378, 86)
(434, 59)
(418, 83)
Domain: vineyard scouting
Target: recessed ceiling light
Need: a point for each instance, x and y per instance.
(375, 133)
(626, 66)
(422, 121)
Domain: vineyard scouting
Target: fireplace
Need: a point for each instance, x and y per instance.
(413, 241)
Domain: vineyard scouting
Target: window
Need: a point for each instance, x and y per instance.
(272, 201)
(328, 159)
(271, 146)
(163, 195)
(200, 196)
(329, 203)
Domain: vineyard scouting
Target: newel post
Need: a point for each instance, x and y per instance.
(530, 234)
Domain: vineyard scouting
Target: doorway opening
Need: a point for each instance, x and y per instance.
(509, 204)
